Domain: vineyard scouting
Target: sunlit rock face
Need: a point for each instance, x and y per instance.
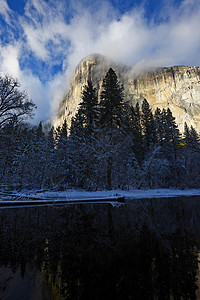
(175, 87)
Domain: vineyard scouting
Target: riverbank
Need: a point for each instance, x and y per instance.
(82, 195)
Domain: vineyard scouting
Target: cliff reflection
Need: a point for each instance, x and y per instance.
(147, 249)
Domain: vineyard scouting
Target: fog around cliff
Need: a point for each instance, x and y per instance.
(42, 43)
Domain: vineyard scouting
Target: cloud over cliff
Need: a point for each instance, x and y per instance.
(42, 44)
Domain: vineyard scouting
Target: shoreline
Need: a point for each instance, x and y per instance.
(36, 196)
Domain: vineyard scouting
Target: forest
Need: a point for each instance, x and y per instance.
(110, 144)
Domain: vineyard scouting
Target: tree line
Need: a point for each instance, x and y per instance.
(110, 144)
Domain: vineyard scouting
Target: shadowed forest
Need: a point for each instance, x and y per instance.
(110, 144)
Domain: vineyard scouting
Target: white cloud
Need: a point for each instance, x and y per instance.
(10, 60)
(39, 93)
(5, 10)
(56, 32)
(44, 28)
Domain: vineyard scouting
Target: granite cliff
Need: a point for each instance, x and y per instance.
(175, 87)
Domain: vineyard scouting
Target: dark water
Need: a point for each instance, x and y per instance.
(145, 249)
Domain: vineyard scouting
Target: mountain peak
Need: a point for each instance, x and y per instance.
(177, 88)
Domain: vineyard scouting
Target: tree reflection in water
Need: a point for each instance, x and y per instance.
(145, 249)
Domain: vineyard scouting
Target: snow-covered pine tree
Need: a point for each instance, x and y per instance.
(172, 133)
(112, 105)
(82, 151)
(39, 156)
(25, 159)
(112, 125)
(62, 138)
(194, 140)
(159, 126)
(148, 126)
(172, 146)
(186, 135)
(77, 127)
(62, 156)
(9, 146)
(191, 138)
(89, 109)
(51, 160)
(135, 129)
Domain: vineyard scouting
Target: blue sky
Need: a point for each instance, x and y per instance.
(41, 42)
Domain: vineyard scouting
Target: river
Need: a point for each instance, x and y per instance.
(144, 249)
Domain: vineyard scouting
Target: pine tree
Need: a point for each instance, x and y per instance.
(40, 156)
(159, 126)
(23, 155)
(77, 125)
(148, 126)
(62, 138)
(194, 139)
(80, 152)
(89, 109)
(135, 128)
(62, 153)
(39, 131)
(186, 136)
(51, 143)
(112, 105)
(9, 146)
(112, 121)
(51, 160)
(172, 134)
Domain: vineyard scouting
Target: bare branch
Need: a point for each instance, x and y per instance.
(13, 102)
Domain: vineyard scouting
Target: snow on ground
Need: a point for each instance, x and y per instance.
(136, 194)
(81, 194)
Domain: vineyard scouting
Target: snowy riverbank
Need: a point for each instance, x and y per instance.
(81, 195)
(135, 194)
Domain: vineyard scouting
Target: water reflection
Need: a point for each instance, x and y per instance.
(146, 249)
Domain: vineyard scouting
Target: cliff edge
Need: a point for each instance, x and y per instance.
(175, 87)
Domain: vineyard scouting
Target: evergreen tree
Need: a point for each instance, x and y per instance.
(39, 131)
(79, 150)
(62, 136)
(89, 109)
(159, 126)
(77, 126)
(25, 159)
(19, 173)
(40, 156)
(148, 126)
(112, 121)
(112, 105)
(172, 134)
(193, 139)
(135, 128)
(186, 136)
(51, 160)
(51, 143)
(9, 146)
(171, 147)
(62, 155)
